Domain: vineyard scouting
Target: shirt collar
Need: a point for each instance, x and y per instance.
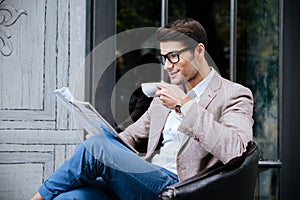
(200, 87)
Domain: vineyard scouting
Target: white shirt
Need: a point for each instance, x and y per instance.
(172, 138)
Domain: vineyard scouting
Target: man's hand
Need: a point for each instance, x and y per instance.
(170, 95)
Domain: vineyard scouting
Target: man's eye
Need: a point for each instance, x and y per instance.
(173, 55)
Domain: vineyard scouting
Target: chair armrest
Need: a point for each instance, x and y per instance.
(171, 191)
(209, 175)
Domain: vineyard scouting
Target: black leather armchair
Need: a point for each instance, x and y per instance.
(235, 180)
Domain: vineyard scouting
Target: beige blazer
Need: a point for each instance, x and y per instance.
(218, 127)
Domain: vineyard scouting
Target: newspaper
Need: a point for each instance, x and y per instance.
(87, 116)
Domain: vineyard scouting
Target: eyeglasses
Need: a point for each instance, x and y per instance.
(173, 56)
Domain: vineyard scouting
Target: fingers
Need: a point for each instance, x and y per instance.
(163, 84)
(167, 90)
(162, 88)
(166, 101)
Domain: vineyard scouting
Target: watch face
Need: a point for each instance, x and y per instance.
(178, 109)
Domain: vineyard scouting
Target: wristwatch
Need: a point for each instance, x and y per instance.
(178, 108)
(180, 104)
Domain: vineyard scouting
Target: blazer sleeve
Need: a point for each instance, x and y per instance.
(138, 132)
(225, 131)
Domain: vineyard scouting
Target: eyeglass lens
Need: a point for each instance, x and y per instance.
(173, 57)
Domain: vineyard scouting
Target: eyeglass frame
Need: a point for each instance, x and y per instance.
(161, 56)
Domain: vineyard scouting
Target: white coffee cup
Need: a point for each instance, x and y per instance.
(149, 89)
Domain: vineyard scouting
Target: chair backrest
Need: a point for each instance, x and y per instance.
(235, 181)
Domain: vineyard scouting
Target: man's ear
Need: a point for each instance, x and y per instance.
(200, 50)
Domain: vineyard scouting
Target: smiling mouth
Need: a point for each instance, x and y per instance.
(173, 73)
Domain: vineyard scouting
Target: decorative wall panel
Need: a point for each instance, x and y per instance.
(28, 74)
(41, 48)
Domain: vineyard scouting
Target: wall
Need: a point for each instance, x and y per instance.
(42, 47)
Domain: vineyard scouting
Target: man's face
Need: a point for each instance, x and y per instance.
(183, 71)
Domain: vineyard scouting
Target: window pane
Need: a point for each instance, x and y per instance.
(215, 17)
(268, 185)
(136, 13)
(137, 66)
(257, 68)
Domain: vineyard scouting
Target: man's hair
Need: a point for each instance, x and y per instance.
(186, 30)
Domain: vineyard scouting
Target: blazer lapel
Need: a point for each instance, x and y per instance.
(211, 90)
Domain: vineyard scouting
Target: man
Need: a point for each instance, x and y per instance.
(194, 122)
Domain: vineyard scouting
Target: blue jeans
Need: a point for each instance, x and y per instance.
(102, 168)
